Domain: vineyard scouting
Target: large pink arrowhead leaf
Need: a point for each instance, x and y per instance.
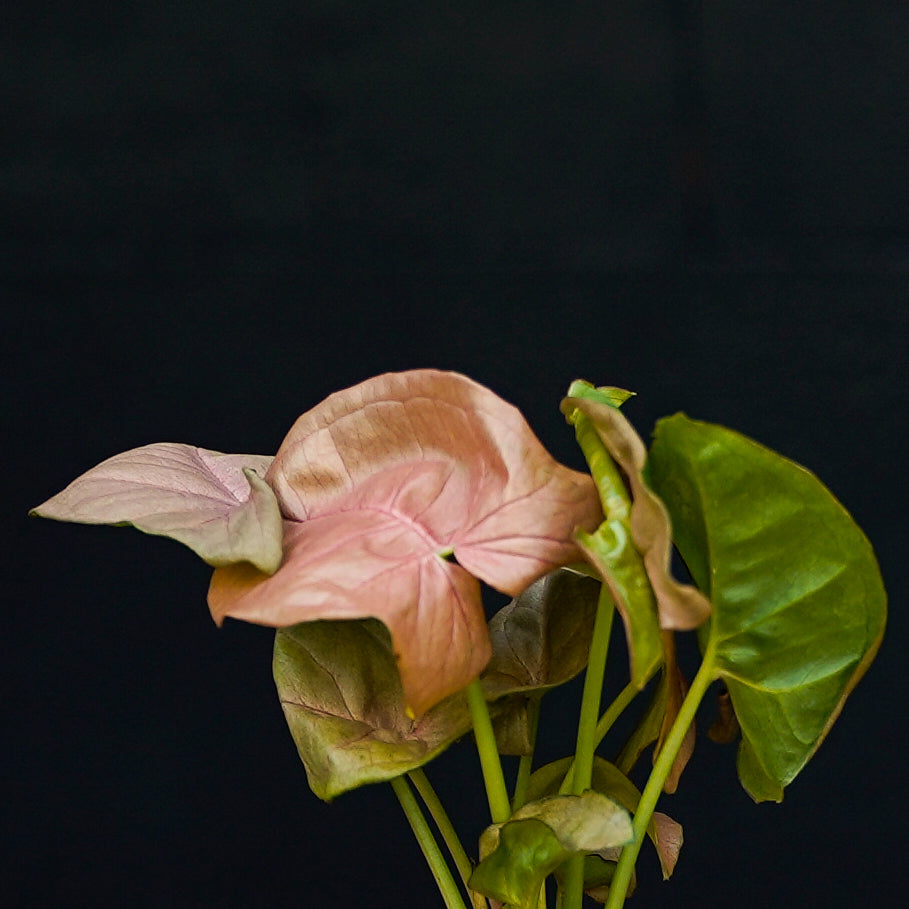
(217, 504)
(398, 494)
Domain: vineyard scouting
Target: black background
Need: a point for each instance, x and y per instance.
(214, 214)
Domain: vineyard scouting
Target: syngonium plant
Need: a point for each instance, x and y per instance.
(364, 541)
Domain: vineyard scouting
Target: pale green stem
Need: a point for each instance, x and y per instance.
(428, 845)
(446, 828)
(618, 888)
(587, 730)
(613, 712)
(526, 763)
(615, 709)
(494, 779)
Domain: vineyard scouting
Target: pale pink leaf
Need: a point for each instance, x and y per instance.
(216, 504)
(370, 563)
(382, 485)
(506, 508)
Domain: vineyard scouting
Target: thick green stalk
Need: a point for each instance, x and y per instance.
(606, 475)
(526, 763)
(618, 888)
(593, 689)
(582, 770)
(446, 828)
(428, 845)
(613, 712)
(494, 779)
(615, 709)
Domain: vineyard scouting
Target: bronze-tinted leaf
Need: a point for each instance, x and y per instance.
(542, 638)
(676, 688)
(725, 728)
(657, 720)
(344, 704)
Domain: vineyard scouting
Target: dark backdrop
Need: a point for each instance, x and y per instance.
(213, 214)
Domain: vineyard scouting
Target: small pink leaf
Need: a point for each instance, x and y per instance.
(384, 482)
(218, 505)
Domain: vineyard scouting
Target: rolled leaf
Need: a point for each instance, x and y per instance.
(680, 605)
(799, 607)
(216, 504)
(611, 551)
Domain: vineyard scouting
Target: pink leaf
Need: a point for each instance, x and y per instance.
(216, 504)
(381, 484)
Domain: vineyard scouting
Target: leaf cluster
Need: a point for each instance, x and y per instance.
(364, 540)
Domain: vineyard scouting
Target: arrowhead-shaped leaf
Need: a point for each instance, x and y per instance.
(216, 504)
(519, 854)
(383, 485)
(798, 603)
(342, 698)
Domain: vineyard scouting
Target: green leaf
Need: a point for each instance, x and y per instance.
(610, 550)
(799, 607)
(344, 703)
(518, 855)
(679, 606)
(665, 833)
(604, 394)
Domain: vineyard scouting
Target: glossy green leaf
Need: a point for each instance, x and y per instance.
(518, 855)
(343, 700)
(799, 607)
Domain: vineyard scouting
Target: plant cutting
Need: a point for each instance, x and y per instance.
(364, 541)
